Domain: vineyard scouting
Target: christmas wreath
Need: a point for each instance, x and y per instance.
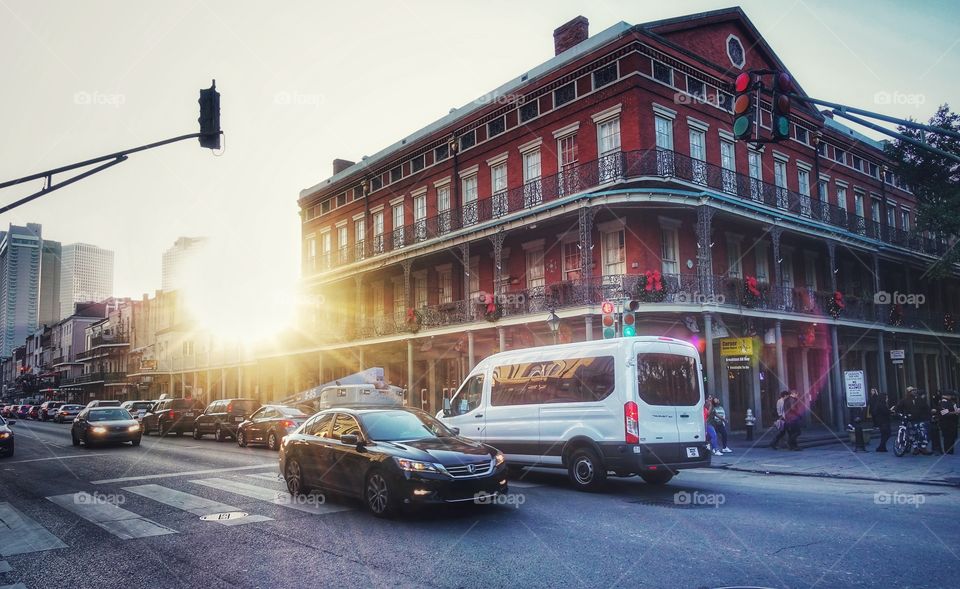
(896, 315)
(492, 310)
(650, 288)
(835, 305)
(751, 295)
(414, 320)
(949, 323)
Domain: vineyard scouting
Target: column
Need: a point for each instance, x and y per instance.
(362, 359)
(194, 384)
(407, 295)
(838, 401)
(413, 392)
(320, 368)
(781, 361)
(588, 327)
(361, 303)
(465, 262)
(876, 288)
(171, 384)
(832, 255)
(882, 364)
(708, 357)
(585, 218)
(240, 381)
(704, 253)
(223, 384)
(470, 356)
(775, 233)
(497, 240)
(502, 336)
(911, 367)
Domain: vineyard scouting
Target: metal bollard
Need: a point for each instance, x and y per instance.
(749, 421)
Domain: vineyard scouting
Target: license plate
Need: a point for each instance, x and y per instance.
(238, 419)
(189, 414)
(693, 452)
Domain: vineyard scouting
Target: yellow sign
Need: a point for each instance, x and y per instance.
(736, 346)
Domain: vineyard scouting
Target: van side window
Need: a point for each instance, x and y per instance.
(574, 380)
(468, 397)
(667, 379)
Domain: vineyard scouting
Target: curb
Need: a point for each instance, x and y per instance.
(838, 477)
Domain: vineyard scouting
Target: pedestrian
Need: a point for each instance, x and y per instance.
(792, 414)
(780, 423)
(718, 418)
(917, 410)
(949, 418)
(935, 424)
(713, 445)
(880, 411)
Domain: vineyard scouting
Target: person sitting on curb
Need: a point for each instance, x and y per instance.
(718, 418)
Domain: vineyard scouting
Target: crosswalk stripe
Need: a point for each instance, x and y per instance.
(267, 476)
(19, 534)
(306, 504)
(17, 586)
(5, 567)
(123, 524)
(523, 485)
(193, 504)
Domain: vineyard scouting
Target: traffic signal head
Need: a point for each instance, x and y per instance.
(210, 117)
(607, 320)
(743, 105)
(780, 123)
(630, 319)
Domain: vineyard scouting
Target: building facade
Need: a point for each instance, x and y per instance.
(610, 173)
(86, 275)
(180, 262)
(20, 253)
(50, 268)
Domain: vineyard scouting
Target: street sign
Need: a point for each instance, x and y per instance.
(736, 346)
(897, 355)
(854, 388)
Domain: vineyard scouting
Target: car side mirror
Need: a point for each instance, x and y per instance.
(455, 430)
(11, 422)
(350, 439)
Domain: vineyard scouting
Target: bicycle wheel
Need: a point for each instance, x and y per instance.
(900, 445)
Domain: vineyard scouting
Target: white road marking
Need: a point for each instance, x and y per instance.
(17, 586)
(19, 534)
(5, 567)
(184, 473)
(57, 457)
(267, 476)
(306, 504)
(123, 524)
(193, 504)
(522, 484)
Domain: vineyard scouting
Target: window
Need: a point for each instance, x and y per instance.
(443, 208)
(725, 101)
(608, 136)
(495, 127)
(698, 153)
(343, 245)
(840, 155)
(468, 397)
(359, 234)
(857, 163)
(763, 264)
(420, 216)
(663, 73)
(735, 51)
(605, 75)
(696, 88)
(474, 278)
(445, 280)
(399, 301)
(357, 192)
(822, 149)
(801, 134)
(571, 260)
(420, 291)
(780, 179)
(535, 269)
(320, 426)
(664, 138)
(842, 197)
(577, 380)
(567, 155)
(669, 250)
(728, 164)
(529, 110)
(441, 152)
(378, 232)
(326, 246)
(311, 247)
(468, 140)
(531, 178)
(377, 295)
(810, 272)
(396, 174)
(398, 228)
(325, 206)
(498, 184)
(905, 220)
(756, 175)
(668, 380)
(823, 190)
(614, 254)
(875, 211)
(345, 425)
(564, 94)
(341, 199)
(417, 163)
(469, 190)
(803, 180)
(734, 256)
(892, 215)
(874, 170)
(376, 183)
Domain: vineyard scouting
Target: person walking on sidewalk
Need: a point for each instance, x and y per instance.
(792, 414)
(917, 410)
(880, 410)
(780, 423)
(949, 417)
(935, 425)
(718, 418)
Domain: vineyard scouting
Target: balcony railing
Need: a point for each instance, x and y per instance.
(629, 165)
(92, 377)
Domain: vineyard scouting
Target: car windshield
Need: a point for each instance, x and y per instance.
(71, 407)
(138, 405)
(182, 404)
(291, 412)
(242, 406)
(109, 415)
(390, 426)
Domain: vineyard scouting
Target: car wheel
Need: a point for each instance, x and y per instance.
(162, 429)
(293, 475)
(219, 436)
(586, 471)
(179, 433)
(378, 495)
(196, 434)
(74, 438)
(135, 442)
(656, 477)
(273, 441)
(241, 439)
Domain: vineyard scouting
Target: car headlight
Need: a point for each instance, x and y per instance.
(134, 428)
(500, 458)
(99, 430)
(4, 435)
(415, 465)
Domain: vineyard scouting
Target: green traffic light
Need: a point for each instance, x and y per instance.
(741, 126)
(782, 127)
(629, 331)
(609, 333)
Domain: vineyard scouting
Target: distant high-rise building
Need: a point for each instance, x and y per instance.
(19, 284)
(178, 261)
(50, 282)
(86, 275)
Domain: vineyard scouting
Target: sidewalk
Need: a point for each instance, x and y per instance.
(838, 460)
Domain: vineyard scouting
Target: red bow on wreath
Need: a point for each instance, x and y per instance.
(654, 280)
(411, 315)
(491, 304)
(752, 286)
(838, 299)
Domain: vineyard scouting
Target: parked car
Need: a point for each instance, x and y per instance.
(96, 425)
(48, 410)
(269, 424)
(34, 413)
(628, 405)
(103, 403)
(67, 413)
(222, 417)
(138, 408)
(6, 437)
(171, 416)
(22, 411)
(5, 410)
(389, 458)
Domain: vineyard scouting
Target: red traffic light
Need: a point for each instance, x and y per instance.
(606, 308)
(743, 82)
(783, 81)
(783, 103)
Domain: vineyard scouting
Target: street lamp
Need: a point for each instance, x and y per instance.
(553, 322)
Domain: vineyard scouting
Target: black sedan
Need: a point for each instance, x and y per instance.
(105, 424)
(6, 438)
(270, 424)
(390, 458)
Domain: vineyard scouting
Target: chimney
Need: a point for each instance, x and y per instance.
(341, 165)
(569, 34)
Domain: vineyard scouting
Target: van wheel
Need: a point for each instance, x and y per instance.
(586, 471)
(656, 477)
(219, 435)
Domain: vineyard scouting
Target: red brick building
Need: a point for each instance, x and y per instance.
(572, 184)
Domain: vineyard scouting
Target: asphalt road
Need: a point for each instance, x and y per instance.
(138, 525)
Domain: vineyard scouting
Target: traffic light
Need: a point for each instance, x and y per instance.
(629, 320)
(780, 123)
(210, 117)
(743, 113)
(608, 321)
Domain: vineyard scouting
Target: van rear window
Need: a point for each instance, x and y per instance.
(575, 380)
(667, 379)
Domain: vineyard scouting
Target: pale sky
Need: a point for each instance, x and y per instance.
(305, 82)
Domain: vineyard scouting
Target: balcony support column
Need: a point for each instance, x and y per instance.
(832, 254)
(876, 288)
(407, 295)
(502, 337)
(410, 387)
(588, 327)
(223, 383)
(319, 368)
(361, 303)
(465, 262)
(704, 252)
(471, 359)
(781, 361)
(708, 354)
(836, 377)
(497, 240)
(882, 363)
(585, 219)
(775, 233)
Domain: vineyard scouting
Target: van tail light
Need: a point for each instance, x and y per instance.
(229, 407)
(631, 422)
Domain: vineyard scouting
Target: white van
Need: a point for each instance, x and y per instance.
(627, 405)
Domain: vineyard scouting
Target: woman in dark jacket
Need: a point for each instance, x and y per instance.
(880, 410)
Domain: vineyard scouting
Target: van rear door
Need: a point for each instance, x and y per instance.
(668, 393)
(690, 425)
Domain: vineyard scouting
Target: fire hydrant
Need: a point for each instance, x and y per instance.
(749, 420)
